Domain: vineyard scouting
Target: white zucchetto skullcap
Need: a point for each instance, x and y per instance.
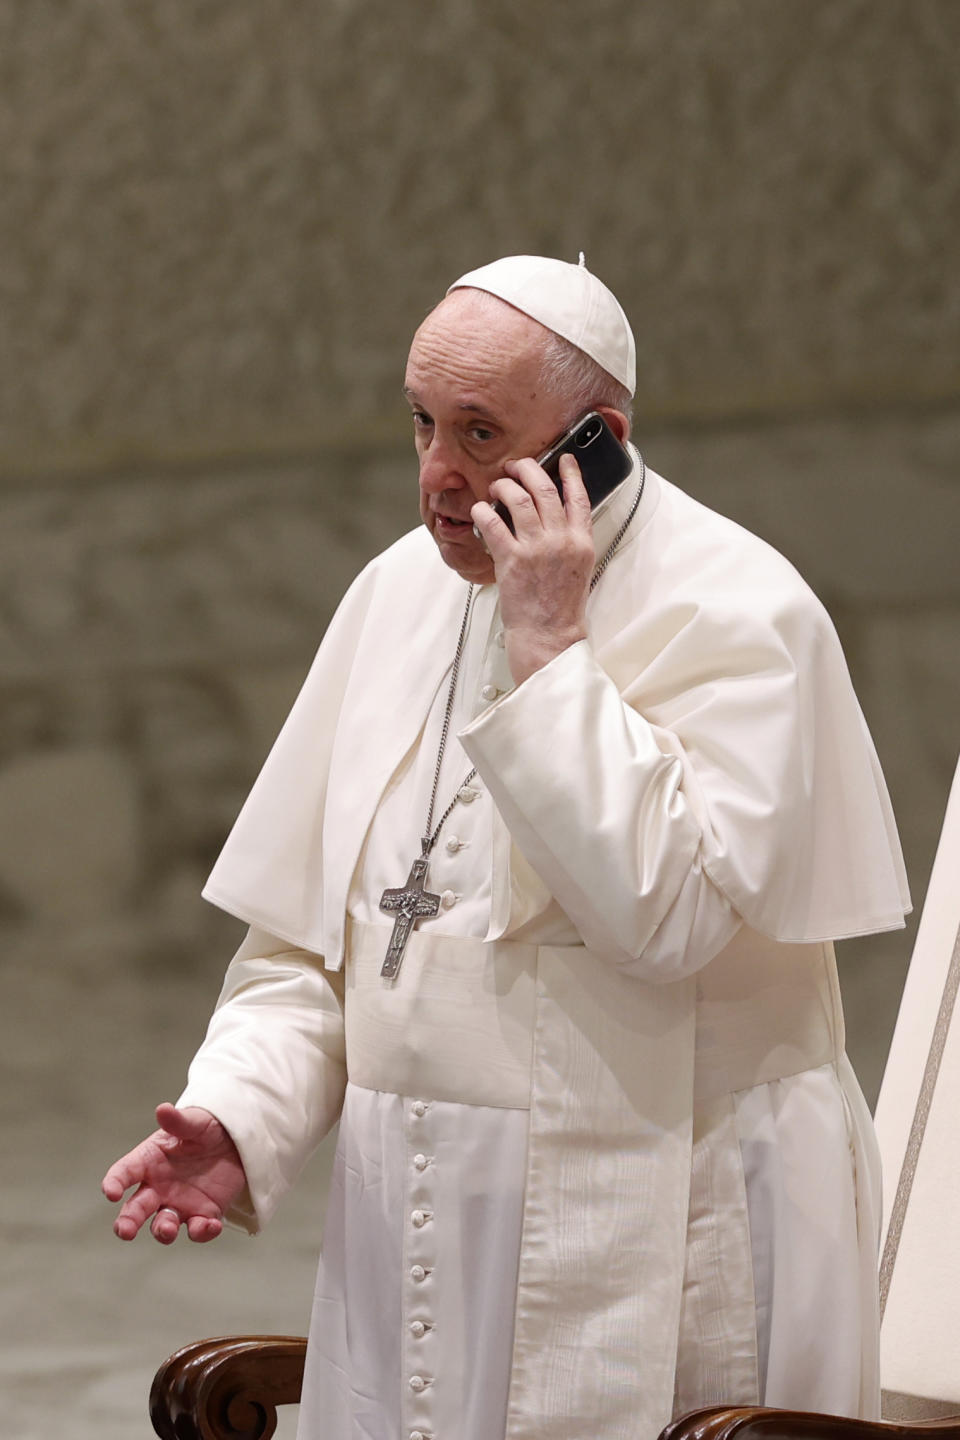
(568, 300)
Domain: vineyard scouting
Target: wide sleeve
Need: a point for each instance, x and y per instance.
(704, 749)
(599, 810)
(706, 740)
(272, 1068)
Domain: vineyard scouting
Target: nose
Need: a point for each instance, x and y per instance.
(438, 469)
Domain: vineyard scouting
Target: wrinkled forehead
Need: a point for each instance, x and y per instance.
(472, 334)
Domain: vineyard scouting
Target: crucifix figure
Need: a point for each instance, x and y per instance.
(412, 903)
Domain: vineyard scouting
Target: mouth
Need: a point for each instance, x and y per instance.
(449, 526)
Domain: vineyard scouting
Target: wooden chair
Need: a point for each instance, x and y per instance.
(229, 1389)
(754, 1423)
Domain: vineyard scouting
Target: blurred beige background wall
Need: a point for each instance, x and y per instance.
(219, 226)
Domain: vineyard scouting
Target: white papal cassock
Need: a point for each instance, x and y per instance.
(601, 1156)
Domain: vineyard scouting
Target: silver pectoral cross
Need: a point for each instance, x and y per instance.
(411, 904)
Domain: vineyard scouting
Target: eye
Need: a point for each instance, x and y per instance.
(481, 433)
(421, 420)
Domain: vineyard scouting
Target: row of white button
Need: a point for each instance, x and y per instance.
(419, 1218)
(467, 796)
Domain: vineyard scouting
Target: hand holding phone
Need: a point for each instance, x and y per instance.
(603, 461)
(544, 580)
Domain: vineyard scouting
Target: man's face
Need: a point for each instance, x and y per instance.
(473, 384)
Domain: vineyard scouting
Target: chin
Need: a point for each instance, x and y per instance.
(472, 563)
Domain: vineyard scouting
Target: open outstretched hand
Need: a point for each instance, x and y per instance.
(187, 1173)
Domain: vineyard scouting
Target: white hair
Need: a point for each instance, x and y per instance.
(570, 372)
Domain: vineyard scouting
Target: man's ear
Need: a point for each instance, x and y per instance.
(617, 421)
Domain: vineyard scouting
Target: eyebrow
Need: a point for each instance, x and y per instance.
(469, 406)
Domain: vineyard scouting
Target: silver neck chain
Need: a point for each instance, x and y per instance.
(429, 837)
(615, 542)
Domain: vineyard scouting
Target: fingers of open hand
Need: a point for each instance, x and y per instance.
(176, 1125)
(166, 1221)
(137, 1209)
(202, 1228)
(113, 1185)
(177, 1181)
(165, 1226)
(129, 1170)
(192, 1123)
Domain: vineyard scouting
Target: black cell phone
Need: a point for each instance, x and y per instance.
(603, 461)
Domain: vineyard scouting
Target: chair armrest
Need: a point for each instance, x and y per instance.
(227, 1389)
(752, 1423)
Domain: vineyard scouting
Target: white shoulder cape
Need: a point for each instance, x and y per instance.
(708, 634)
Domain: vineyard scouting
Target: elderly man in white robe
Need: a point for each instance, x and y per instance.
(601, 1156)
